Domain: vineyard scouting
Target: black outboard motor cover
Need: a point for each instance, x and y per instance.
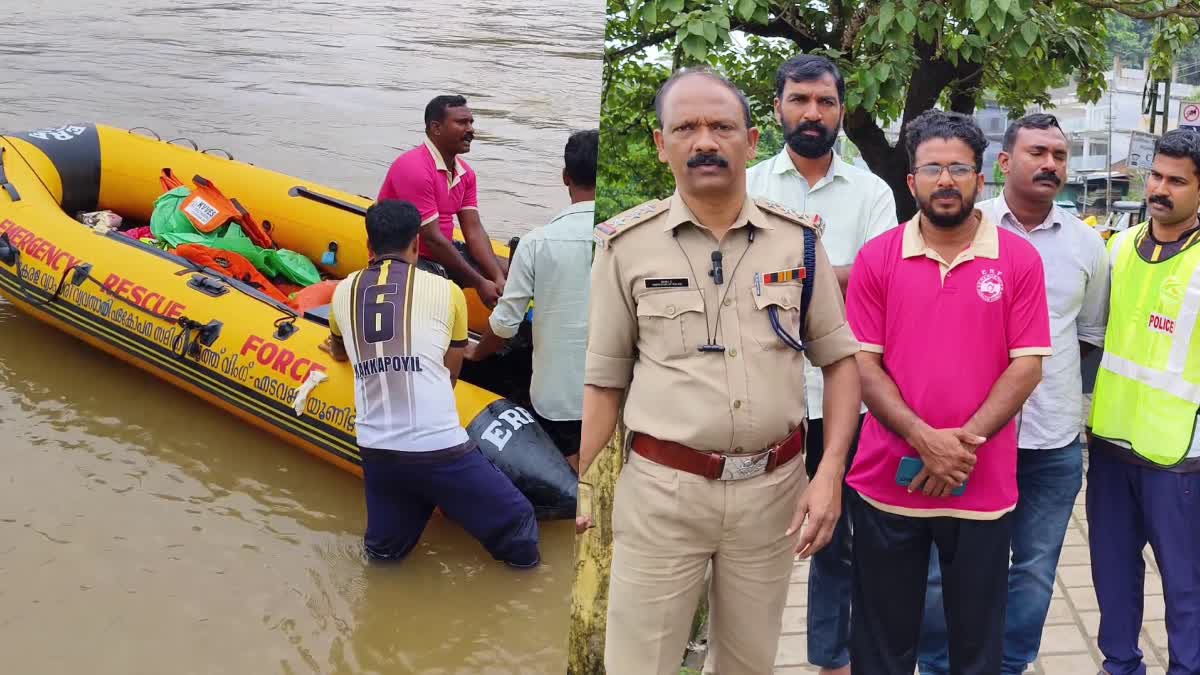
(511, 438)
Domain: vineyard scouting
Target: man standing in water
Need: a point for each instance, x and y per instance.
(435, 179)
(854, 206)
(404, 331)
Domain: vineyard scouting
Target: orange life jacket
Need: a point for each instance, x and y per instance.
(317, 295)
(208, 209)
(232, 265)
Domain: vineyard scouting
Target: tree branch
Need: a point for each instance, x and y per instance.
(1131, 8)
(647, 41)
(780, 29)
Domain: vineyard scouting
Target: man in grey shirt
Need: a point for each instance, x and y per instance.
(550, 268)
(1050, 460)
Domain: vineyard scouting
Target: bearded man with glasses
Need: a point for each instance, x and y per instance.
(951, 314)
(1050, 458)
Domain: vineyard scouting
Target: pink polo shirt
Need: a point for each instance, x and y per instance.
(947, 331)
(420, 176)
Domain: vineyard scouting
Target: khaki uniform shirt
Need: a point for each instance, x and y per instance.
(654, 304)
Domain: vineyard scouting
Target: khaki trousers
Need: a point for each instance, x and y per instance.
(667, 526)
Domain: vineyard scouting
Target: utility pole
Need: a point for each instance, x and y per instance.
(1108, 160)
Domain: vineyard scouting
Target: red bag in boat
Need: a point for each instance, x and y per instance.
(231, 265)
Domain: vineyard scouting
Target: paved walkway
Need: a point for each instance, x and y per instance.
(1069, 638)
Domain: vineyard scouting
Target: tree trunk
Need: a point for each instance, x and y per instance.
(887, 162)
(930, 78)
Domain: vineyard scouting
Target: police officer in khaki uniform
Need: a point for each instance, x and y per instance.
(696, 324)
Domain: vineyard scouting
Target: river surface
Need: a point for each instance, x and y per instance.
(144, 531)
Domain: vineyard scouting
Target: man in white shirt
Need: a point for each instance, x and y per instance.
(1050, 458)
(854, 206)
(551, 267)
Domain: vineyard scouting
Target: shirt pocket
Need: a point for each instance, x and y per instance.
(671, 324)
(785, 299)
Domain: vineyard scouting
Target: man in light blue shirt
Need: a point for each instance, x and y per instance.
(551, 268)
(1050, 459)
(854, 206)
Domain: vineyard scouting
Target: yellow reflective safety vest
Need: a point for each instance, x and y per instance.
(1147, 391)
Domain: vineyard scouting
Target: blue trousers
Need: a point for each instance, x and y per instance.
(1048, 482)
(830, 573)
(1129, 506)
(402, 489)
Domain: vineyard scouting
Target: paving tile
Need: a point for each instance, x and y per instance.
(796, 670)
(1069, 664)
(797, 595)
(793, 650)
(1091, 622)
(1156, 608)
(1083, 598)
(1064, 639)
(1075, 576)
(1060, 612)
(1153, 583)
(1157, 631)
(1075, 555)
(795, 620)
(1074, 537)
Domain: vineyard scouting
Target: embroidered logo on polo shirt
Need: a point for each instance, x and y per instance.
(1161, 324)
(990, 286)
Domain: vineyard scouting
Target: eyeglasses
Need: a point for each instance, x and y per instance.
(934, 171)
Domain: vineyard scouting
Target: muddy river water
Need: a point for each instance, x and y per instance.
(144, 531)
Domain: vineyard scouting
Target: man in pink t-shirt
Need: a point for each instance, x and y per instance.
(442, 186)
(952, 316)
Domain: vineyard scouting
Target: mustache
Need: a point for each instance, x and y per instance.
(707, 159)
(946, 193)
(1162, 201)
(809, 126)
(1048, 175)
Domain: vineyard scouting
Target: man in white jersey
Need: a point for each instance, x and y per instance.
(404, 331)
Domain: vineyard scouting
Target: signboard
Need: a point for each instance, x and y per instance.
(1141, 150)
(1189, 115)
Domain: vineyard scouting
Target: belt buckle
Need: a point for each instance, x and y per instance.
(741, 467)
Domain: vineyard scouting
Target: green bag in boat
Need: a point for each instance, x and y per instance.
(168, 219)
(271, 262)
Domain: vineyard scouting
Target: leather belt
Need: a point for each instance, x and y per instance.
(715, 466)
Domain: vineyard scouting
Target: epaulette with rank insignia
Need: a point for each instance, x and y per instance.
(812, 222)
(625, 221)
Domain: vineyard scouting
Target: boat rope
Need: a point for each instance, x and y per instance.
(23, 284)
(156, 136)
(181, 138)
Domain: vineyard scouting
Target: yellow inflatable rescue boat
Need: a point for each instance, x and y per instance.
(213, 335)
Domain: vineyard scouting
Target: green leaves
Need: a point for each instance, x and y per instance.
(887, 12)
(1010, 51)
(978, 9)
(745, 9)
(1029, 31)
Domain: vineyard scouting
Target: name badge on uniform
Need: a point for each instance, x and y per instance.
(681, 282)
(761, 278)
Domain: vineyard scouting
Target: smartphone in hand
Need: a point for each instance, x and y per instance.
(911, 466)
